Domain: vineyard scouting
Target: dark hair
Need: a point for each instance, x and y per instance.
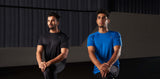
(54, 14)
(103, 11)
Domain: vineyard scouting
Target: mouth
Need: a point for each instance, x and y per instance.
(101, 23)
(101, 26)
(50, 25)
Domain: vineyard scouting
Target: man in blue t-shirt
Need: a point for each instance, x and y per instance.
(104, 48)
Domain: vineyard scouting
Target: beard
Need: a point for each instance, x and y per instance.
(101, 26)
(52, 27)
(104, 26)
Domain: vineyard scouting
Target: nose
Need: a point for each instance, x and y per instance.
(101, 19)
(49, 22)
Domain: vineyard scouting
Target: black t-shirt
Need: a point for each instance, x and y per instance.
(52, 44)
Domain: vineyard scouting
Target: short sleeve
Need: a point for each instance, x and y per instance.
(40, 41)
(90, 41)
(117, 39)
(65, 42)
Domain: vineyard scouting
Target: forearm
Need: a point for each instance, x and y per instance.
(39, 57)
(92, 56)
(114, 57)
(39, 53)
(57, 59)
(94, 59)
(60, 57)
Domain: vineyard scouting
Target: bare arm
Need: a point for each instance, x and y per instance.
(60, 57)
(39, 53)
(41, 64)
(91, 52)
(101, 67)
(104, 68)
(115, 56)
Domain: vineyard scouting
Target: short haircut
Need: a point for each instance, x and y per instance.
(103, 11)
(54, 14)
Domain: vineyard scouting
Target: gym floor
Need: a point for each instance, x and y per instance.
(138, 68)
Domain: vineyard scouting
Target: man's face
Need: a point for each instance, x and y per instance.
(102, 20)
(52, 22)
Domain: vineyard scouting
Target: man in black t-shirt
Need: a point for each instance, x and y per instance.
(55, 46)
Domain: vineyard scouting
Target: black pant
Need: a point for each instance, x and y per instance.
(50, 73)
(113, 74)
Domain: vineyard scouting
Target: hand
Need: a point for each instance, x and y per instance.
(48, 64)
(42, 66)
(108, 67)
(104, 69)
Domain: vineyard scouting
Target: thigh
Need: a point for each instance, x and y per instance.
(49, 74)
(114, 72)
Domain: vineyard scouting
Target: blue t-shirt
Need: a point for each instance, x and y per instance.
(104, 43)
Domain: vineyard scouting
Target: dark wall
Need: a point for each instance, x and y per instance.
(137, 6)
(23, 21)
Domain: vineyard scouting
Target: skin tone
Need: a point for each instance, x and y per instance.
(102, 22)
(53, 26)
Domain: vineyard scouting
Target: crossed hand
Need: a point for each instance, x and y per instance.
(43, 66)
(104, 69)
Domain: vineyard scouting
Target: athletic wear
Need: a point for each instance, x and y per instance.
(104, 43)
(52, 44)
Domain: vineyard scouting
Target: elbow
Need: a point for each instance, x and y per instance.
(119, 54)
(37, 54)
(65, 55)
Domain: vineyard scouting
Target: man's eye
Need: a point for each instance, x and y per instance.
(103, 18)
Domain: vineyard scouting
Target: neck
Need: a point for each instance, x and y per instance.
(56, 30)
(102, 30)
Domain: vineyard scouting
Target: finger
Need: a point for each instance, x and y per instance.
(102, 74)
(41, 64)
(44, 65)
(104, 67)
(42, 70)
(105, 74)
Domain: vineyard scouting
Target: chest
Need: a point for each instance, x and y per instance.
(52, 41)
(105, 40)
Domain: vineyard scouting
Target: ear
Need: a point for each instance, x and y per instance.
(108, 21)
(57, 22)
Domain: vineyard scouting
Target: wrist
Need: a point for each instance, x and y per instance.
(40, 61)
(48, 63)
(107, 64)
(99, 66)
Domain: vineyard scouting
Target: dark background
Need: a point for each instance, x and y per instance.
(23, 21)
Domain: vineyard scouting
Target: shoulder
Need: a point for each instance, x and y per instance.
(62, 34)
(92, 35)
(114, 33)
